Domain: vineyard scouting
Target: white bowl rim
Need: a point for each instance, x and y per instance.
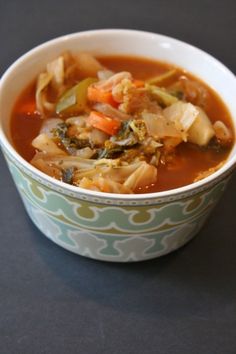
(228, 165)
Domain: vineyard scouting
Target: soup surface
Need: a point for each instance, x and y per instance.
(121, 124)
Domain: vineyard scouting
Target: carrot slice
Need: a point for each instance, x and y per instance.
(97, 95)
(104, 123)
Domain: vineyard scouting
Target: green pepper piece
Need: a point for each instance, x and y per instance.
(163, 97)
(75, 99)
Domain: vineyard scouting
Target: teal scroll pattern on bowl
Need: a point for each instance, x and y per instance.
(114, 233)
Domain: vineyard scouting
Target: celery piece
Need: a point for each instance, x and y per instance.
(75, 99)
(157, 80)
(161, 95)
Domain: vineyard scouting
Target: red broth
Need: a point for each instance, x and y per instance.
(188, 161)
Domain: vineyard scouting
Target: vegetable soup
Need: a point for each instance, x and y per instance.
(121, 124)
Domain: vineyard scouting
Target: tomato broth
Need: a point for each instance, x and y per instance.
(187, 161)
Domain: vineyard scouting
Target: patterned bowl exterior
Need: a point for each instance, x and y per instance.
(114, 231)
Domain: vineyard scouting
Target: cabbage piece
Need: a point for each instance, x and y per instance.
(107, 85)
(76, 162)
(39, 162)
(42, 104)
(88, 65)
(103, 185)
(56, 69)
(109, 170)
(159, 127)
(43, 143)
(110, 111)
(54, 77)
(183, 115)
(85, 153)
(121, 173)
(97, 137)
(105, 174)
(104, 74)
(143, 176)
(89, 173)
(191, 121)
(49, 125)
(201, 131)
(107, 162)
(79, 121)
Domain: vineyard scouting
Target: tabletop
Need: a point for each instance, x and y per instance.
(52, 301)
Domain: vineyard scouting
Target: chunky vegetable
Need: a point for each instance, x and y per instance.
(98, 95)
(75, 99)
(104, 123)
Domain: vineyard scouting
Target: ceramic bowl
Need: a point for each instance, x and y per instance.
(112, 227)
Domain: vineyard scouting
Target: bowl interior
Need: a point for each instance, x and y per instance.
(123, 42)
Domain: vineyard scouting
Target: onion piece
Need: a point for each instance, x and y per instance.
(56, 69)
(104, 74)
(39, 162)
(65, 162)
(222, 132)
(191, 121)
(43, 81)
(121, 173)
(111, 111)
(80, 121)
(48, 126)
(183, 115)
(201, 131)
(159, 127)
(143, 176)
(43, 143)
(103, 185)
(88, 65)
(97, 137)
(107, 85)
(85, 153)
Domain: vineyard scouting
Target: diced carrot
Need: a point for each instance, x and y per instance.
(103, 122)
(97, 95)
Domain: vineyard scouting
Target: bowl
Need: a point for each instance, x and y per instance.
(104, 226)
